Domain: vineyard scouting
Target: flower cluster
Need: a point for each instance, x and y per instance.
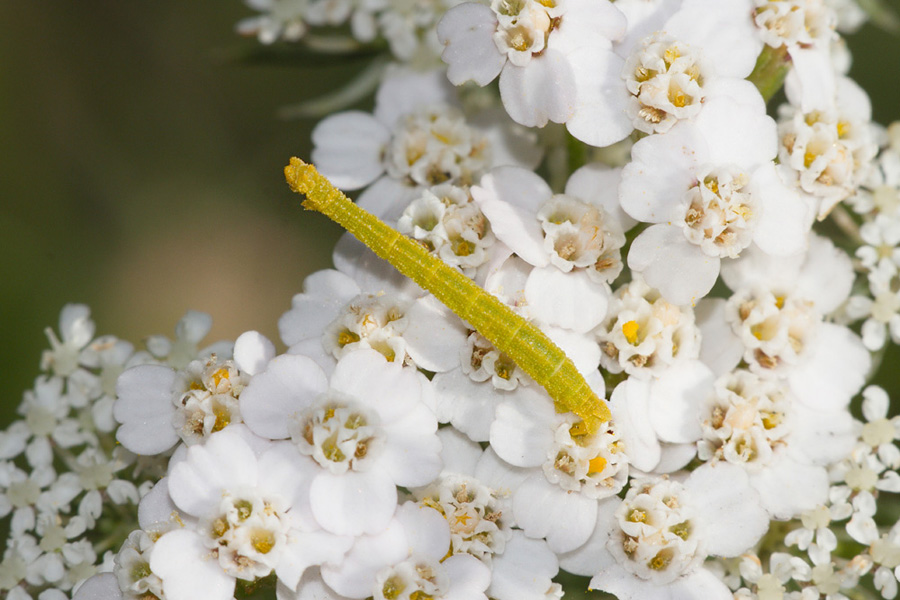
(68, 491)
(717, 271)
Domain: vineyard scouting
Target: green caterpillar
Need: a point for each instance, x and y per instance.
(527, 345)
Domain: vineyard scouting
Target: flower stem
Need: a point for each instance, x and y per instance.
(577, 152)
(771, 68)
(510, 333)
(844, 220)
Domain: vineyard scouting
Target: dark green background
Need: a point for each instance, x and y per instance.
(141, 170)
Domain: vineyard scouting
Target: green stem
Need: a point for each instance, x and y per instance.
(556, 156)
(577, 153)
(845, 222)
(258, 589)
(771, 68)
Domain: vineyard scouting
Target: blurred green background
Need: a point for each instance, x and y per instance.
(141, 170)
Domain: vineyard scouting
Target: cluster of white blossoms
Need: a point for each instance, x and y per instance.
(68, 491)
(718, 271)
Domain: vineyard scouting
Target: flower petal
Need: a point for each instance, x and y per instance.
(252, 352)
(599, 118)
(509, 197)
(524, 570)
(522, 431)
(540, 92)
(188, 569)
(353, 503)
(732, 516)
(675, 399)
(569, 300)
(670, 263)
(144, 408)
(347, 149)
(104, 586)
(288, 385)
(224, 462)
(629, 405)
(467, 32)
(661, 172)
(434, 335)
(545, 510)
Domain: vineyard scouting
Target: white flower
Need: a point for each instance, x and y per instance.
(429, 571)
(881, 236)
(547, 55)
(189, 332)
(481, 521)
(252, 512)
(881, 306)
(336, 315)
(408, 560)
(795, 23)
(673, 58)
(757, 424)
(654, 541)
(21, 491)
(573, 243)
(77, 330)
(283, 19)
(158, 405)
(47, 413)
(18, 561)
(776, 318)
(468, 396)
(665, 80)
(474, 513)
(450, 224)
(829, 152)
(659, 419)
(643, 334)
(560, 473)
(366, 431)
(881, 192)
(710, 189)
(110, 356)
(805, 28)
(885, 552)
(782, 569)
(879, 432)
(132, 570)
(416, 138)
(746, 420)
(827, 581)
(408, 27)
(861, 473)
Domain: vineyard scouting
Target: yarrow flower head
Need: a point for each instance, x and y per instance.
(613, 316)
(449, 223)
(413, 141)
(365, 431)
(658, 537)
(158, 405)
(644, 333)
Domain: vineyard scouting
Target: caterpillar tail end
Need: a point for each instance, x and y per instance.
(588, 426)
(302, 178)
(594, 419)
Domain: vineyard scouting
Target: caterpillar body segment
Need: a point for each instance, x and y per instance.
(510, 333)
